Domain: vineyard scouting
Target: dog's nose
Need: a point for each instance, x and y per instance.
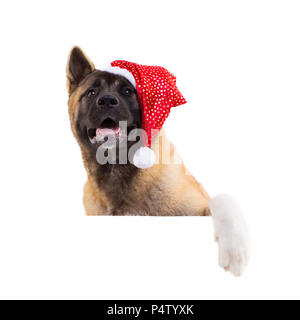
(108, 100)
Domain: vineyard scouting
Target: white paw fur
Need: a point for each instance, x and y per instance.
(231, 234)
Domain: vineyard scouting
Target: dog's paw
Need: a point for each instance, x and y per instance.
(231, 234)
(234, 256)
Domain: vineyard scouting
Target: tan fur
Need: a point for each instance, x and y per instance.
(182, 192)
(176, 192)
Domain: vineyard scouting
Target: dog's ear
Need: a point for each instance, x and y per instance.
(78, 67)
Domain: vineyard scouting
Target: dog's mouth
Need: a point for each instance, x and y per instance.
(108, 128)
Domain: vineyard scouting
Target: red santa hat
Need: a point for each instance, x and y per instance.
(157, 94)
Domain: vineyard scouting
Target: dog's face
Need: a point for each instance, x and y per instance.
(103, 107)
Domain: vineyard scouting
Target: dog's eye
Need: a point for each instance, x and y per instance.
(127, 91)
(91, 92)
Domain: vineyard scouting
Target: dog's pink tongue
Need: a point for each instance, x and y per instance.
(107, 131)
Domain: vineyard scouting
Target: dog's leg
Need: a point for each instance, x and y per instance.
(231, 234)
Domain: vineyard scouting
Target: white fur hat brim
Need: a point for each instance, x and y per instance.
(122, 72)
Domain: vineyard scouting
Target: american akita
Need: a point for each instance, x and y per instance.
(98, 102)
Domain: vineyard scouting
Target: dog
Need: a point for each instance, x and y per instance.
(98, 102)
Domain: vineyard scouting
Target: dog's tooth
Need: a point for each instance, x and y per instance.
(93, 141)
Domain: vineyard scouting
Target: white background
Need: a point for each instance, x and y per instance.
(237, 64)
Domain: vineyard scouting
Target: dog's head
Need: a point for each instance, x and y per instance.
(98, 102)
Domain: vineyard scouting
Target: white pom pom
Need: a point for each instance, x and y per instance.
(144, 158)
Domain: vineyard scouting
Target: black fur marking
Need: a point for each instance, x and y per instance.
(114, 179)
